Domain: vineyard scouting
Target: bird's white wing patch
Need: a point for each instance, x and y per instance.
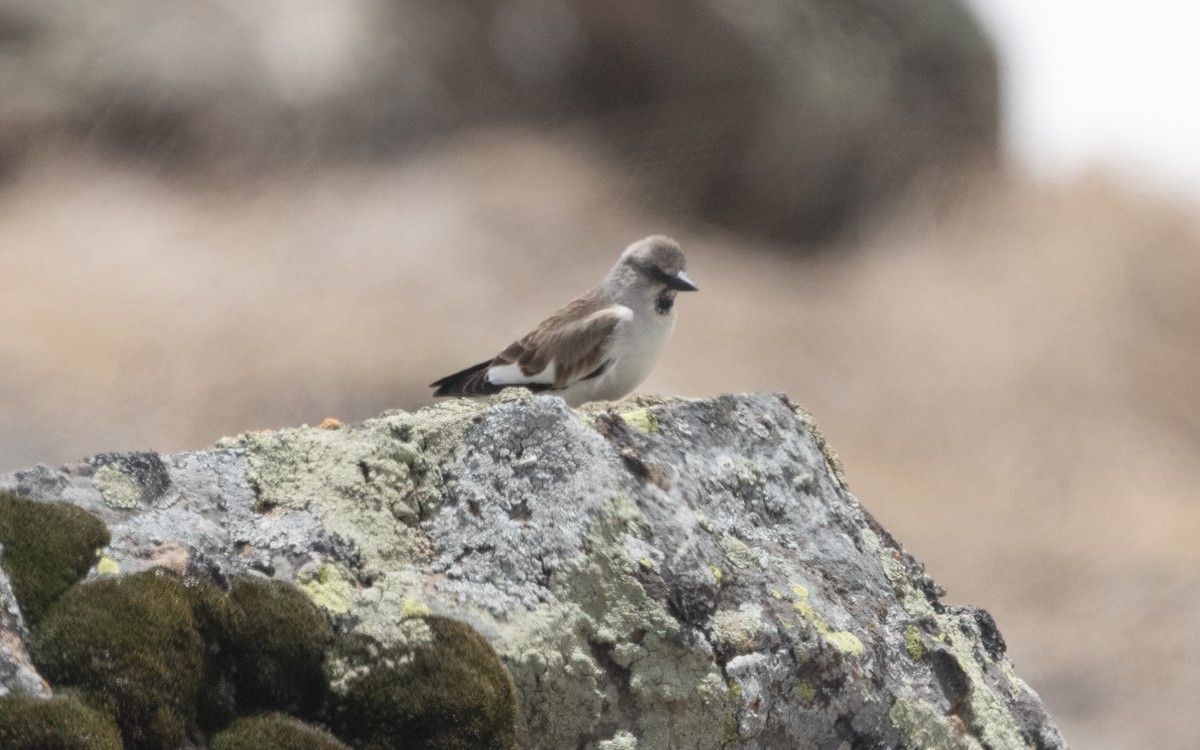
(511, 375)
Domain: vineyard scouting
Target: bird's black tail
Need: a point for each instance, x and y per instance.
(472, 381)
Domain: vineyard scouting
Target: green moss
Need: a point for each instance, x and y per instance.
(214, 621)
(730, 733)
(131, 646)
(29, 723)
(279, 644)
(275, 732)
(47, 547)
(451, 694)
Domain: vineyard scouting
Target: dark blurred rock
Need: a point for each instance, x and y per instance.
(786, 118)
(792, 117)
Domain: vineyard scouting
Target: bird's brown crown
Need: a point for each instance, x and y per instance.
(655, 253)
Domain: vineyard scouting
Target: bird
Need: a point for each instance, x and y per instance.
(601, 345)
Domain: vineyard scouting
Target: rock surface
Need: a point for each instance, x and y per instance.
(679, 574)
(17, 673)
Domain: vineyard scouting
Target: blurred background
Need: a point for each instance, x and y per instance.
(966, 237)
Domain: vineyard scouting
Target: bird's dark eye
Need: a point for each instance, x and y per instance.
(658, 275)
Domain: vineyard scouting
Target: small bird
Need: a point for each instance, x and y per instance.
(602, 344)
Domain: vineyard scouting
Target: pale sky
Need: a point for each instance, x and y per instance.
(1099, 82)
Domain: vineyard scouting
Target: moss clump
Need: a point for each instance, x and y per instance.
(214, 621)
(47, 547)
(275, 732)
(451, 693)
(279, 644)
(131, 646)
(29, 723)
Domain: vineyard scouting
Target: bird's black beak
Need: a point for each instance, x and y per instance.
(681, 283)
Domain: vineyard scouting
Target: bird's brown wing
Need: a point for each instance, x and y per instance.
(574, 340)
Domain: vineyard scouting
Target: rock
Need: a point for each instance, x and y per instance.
(786, 118)
(17, 673)
(661, 574)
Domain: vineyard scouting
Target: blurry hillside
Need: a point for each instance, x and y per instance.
(221, 216)
(786, 117)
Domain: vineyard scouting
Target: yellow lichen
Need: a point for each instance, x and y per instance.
(912, 641)
(108, 567)
(842, 640)
(641, 420)
(805, 692)
(118, 488)
(328, 589)
(413, 608)
(804, 608)
(739, 553)
(846, 642)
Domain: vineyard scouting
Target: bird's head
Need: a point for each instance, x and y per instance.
(656, 265)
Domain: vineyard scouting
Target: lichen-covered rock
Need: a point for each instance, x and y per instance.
(679, 574)
(17, 673)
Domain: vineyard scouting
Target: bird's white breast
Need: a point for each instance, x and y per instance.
(635, 347)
